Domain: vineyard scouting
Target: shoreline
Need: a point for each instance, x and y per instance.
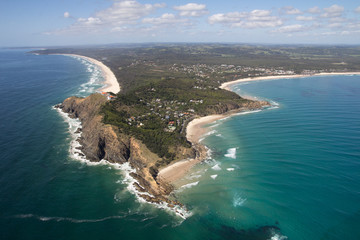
(195, 129)
(111, 83)
(227, 85)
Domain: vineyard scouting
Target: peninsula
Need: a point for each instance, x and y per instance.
(169, 92)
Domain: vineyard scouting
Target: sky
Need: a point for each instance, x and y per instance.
(83, 22)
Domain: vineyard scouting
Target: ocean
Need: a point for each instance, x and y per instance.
(287, 172)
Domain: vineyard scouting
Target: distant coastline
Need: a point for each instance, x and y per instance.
(227, 85)
(111, 83)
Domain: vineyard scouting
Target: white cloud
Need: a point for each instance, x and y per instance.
(314, 10)
(357, 9)
(291, 28)
(253, 19)
(335, 25)
(192, 10)
(126, 12)
(66, 14)
(333, 11)
(118, 16)
(305, 18)
(290, 10)
(165, 19)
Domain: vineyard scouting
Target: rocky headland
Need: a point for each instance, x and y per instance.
(101, 141)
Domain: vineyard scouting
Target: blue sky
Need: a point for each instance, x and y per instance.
(76, 22)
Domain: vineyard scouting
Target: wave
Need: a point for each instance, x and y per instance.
(230, 169)
(214, 176)
(248, 112)
(231, 153)
(67, 219)
(278, 236)
(96, 78)
(216, 167)
(238, 200)
(73, 126)
(189, 185)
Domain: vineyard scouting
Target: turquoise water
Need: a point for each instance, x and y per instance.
(296, 165)
(292, 170)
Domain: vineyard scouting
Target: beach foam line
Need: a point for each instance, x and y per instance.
(111, 83)
(227, 85)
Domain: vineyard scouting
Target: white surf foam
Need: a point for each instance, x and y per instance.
(96, 79)
(66, 219)
(238, 200)
(230, 169)
(189, 185)
(216, 167)
(231, 153)
(277, 236)
(214, 176)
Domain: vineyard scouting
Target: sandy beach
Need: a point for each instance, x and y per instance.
(111, 83)
(195, 129)
(228, 84)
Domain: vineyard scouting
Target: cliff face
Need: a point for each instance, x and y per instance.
(100, 141)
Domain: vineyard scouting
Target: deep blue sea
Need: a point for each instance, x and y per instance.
(288, 172)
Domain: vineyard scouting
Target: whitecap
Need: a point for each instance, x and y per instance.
(189, 185)
(230, 169)
(219, 135)
(231, 153)
(214, 176)
(238, 200)
(216, 167)
(209, 133)
(277, 236)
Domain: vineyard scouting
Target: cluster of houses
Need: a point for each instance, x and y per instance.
(172, 113)
(205, 70)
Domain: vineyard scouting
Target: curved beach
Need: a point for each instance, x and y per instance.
(227, 85)
(111, 83)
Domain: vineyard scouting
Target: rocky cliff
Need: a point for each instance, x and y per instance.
(100, 141)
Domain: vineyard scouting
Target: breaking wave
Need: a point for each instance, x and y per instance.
(214, 176)
(231, 153)
(66, 219)
(238, 200)
(216, 167)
